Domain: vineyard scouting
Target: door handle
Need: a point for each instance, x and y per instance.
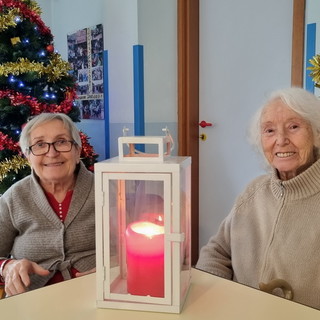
(204, 124)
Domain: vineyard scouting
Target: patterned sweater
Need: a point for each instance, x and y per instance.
(29, 228)
(273, 231)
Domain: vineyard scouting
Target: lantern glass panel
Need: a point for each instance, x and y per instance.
(185, 227)
(137, 233)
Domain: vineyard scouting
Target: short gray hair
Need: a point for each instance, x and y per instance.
(43, 118)
(304, 103)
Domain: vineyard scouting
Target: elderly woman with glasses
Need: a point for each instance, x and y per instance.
(270, 240)
(47, 227)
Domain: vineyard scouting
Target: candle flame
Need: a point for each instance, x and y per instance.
(148, 229)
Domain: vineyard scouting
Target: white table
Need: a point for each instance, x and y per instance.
(210, 297)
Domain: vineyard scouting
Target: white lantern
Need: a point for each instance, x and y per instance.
(143, 228)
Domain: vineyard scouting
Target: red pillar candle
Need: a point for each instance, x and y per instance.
(145, 259)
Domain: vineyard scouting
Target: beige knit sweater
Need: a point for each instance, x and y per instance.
(273, 231)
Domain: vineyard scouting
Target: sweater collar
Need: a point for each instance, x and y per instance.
(303, 185)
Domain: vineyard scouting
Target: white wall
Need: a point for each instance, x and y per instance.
(245, 52)
(126, 23)
(66, 17)
(157, 29)
(157, 21)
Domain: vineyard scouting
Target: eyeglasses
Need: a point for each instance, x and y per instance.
(61, 145)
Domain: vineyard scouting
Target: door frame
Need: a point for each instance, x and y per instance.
(297, 59)
(188, 104)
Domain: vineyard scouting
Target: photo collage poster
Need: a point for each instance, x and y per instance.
(85, 55)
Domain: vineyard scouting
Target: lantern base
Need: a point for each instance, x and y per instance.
(138, 307)
(122, 301)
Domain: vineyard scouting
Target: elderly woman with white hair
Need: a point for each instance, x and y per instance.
(271, 237)
(47, 222)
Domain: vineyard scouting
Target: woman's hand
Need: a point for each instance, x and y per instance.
(80, 274)
(16, 275)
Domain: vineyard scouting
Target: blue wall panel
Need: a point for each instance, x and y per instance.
(138, 87)
(310, 53)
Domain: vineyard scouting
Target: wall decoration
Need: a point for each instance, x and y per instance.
(85, 54)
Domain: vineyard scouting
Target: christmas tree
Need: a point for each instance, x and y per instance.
(33, 79)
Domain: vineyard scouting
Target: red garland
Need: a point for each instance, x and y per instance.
(37, 107)
(33, 16)
(87, 149)
(7, 143)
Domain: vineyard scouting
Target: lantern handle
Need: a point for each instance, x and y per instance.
(125, 131)
(168, 134)
(167, 137)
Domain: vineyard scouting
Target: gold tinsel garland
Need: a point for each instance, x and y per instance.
(55, 70)
(57, 67)
(315, 70)
(14, 164)
(32, 5)
(8, 20)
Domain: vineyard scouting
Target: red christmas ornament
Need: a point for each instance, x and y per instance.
(50, 48)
